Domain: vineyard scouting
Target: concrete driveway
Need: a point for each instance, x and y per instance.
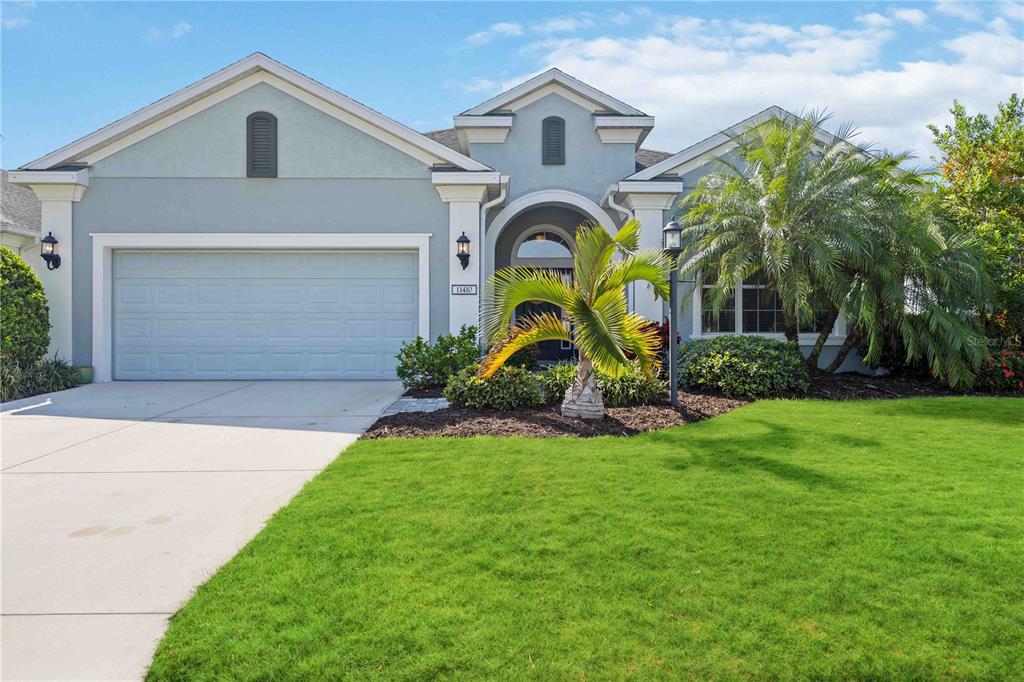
(120, 498)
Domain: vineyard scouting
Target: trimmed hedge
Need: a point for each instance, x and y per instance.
(743, 366)
(425, 365)
(632, 388)
(24, 314)
(507, 389)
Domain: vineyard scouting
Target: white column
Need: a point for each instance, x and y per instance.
(648, 208)
(56, 202)
(464, 282)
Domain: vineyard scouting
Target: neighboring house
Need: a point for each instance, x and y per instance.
(19, 219)
(258, 224)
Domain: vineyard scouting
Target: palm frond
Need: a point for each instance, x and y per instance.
(526, 332)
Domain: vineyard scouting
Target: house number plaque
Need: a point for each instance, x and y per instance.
(463, 290)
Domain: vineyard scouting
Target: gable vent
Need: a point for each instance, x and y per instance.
(553, 141)
(261, 145)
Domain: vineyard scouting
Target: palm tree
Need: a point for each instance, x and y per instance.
(606, 335)
(828, 220)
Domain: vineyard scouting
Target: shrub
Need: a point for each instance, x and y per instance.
(24, 315)
(43, 377)
(743, 366)
(1001, 372)
(507, 389)
(632, 388)
(525, 357)
(422, 365)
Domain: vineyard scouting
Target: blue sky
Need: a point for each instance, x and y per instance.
(889, 67)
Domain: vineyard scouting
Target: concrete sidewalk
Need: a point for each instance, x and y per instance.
(120, 498)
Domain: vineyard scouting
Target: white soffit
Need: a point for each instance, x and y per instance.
(146, 121)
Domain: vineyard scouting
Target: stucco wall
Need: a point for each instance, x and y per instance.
(590, 165)
(191, 178)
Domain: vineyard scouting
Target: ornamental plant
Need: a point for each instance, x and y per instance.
(633, 387)
(1002, 372)
(507, 388)
(743, 366)
(425, 365)
(24, 314)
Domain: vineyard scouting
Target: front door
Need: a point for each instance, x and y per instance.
(549, 351)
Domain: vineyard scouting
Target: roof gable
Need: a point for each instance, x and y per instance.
(228, 81)
(707, 149)
(557, 81)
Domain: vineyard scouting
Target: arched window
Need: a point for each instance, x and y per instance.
(544, 246)
(261, 145)
(553, 141)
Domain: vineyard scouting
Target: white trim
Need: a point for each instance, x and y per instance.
(836, 338)
(483, 121)
(104, 244)
(652, 187)
(229, 75)
(538, 82)
(700, 153)
(457, 178)
(623, 122)
(622, 135)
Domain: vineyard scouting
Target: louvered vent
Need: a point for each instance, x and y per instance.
(553, 141)
(261, 145)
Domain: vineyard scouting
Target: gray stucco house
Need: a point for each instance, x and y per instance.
(258, 224)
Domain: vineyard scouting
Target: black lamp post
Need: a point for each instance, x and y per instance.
(46, 249)
(462, 250)
(672, 245)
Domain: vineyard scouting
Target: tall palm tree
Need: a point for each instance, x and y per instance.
(606, 335)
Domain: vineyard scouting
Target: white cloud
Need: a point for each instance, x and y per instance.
(874, 20)
(16, 22)
(14, 14)
(480, 85)
(178, 30)
(698, 77)
(961, 10)
(567, 24)
(915, 17)
(620, 18)
(1012, 10)
(500, 29)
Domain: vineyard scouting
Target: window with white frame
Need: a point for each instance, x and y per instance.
(754, 307)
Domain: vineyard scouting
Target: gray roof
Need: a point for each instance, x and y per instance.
(644, 157)
(19, 207)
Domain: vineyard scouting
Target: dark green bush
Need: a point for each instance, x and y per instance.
(43, 377)
(24, 314)
(632, 388)
(425, 365)
(1001, 372)
(743, 366)
(509, 388)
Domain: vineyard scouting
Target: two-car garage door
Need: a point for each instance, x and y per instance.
(262, 314)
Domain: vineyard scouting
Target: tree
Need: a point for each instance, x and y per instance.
(606, 335)
(982, 165)
(832, 224)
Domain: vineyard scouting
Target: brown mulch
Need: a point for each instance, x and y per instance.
(423, 393)
(548, 421)
(628, 421)
(850, 386)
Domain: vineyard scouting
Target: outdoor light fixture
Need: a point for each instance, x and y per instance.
(462, 250)
(47, 246)
(672, 245)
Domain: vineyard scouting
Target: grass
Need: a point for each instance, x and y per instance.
(784, 540)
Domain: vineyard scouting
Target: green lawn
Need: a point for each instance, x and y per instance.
(786, 539)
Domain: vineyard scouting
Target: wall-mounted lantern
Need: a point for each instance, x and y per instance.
(462, 250)
(47, 249)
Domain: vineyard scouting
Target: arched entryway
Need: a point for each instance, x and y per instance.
(541, 235)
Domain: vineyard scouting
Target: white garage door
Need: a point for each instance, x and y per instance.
(262, 314)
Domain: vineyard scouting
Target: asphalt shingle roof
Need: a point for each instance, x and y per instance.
(19, 207)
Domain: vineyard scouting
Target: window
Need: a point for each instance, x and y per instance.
(544, 244)
(261, 145)
(760, 311)
(553, 141)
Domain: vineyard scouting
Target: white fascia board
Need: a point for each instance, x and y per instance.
(623, 122)
(458, 178)
(650, 187)
(563, 79)
(483, 121)
(225, 77)
(68, 177)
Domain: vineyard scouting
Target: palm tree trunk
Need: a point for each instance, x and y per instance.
(791, 327)
(853, 340)
(583, 398)
(819, 344)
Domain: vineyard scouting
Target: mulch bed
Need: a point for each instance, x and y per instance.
(627, 421)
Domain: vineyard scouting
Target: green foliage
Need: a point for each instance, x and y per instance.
(525, 357)
(1002, 372)
(743, 366)
(24, 314)
(632, 387)
(422, 365)
(982, 164)
(508, 388)
(43, 377)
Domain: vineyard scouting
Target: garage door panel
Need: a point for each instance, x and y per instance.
(197, 315)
